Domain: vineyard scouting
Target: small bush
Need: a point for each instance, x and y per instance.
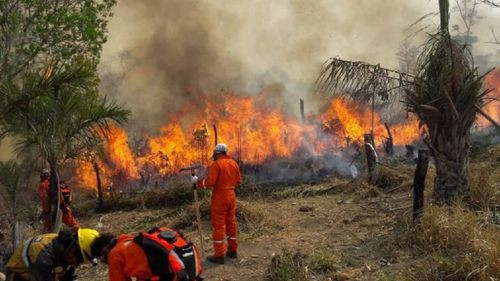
(482, 192)
(287, 267)
(368, 192)
(457, 246)
(390, 178)
(324, 261)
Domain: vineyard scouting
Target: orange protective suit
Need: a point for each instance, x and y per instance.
(223, 176)
(66, 199)
(127, 260)
(43, 194)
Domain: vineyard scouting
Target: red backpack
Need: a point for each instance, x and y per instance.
(170, 256)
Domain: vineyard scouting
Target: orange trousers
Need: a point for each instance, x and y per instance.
(223, 212)
(68, 218)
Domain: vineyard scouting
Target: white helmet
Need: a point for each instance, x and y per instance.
(220, 148)
(45, 173)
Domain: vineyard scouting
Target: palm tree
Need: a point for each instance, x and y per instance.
(444, 93)
(60, 116)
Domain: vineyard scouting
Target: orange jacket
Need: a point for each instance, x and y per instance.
(66, 196)
(127, 260)
(224, 173)
(43, 193)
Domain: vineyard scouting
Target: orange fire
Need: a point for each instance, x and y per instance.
(492, 107)
(254, 133)
(349, 120)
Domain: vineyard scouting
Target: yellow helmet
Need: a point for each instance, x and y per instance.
(85, 238)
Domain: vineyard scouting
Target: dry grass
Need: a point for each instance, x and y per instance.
(390, 178)
(484, 187)
(287, 267)
(172, 196)
(456, 245)
(247, 215)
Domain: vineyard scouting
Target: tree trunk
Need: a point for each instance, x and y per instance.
(451, 159)
(451, 177)
(100, 197)
(54, 198)
(444, 9)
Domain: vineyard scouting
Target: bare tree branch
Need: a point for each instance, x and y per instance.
(491, 3)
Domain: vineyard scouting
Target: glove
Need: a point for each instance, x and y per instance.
(194, 179)
(200, 184)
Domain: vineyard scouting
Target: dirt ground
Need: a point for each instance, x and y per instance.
(355, 229)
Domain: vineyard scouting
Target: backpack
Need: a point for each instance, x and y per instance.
(170, 256)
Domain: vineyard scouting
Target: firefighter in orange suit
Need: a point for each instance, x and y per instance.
(66, 199)
(43, 194)
(223, 176)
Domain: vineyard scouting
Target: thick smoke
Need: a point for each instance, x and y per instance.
(160, 53)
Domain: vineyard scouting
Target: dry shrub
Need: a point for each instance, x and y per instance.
(482, 192)
(247, 215)
(369, 192)
(287, 267)
(390, 178)
(168, 197)
(457, 245)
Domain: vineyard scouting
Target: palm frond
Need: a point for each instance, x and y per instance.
(360, 80)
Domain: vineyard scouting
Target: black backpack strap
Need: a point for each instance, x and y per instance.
(157, 257)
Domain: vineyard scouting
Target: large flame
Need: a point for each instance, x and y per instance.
(254, 133)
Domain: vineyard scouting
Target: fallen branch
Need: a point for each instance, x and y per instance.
(394, 189)
(401, 208)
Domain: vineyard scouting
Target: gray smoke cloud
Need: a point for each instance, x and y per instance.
(159, 51)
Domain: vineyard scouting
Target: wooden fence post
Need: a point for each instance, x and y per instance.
(371, 159)
(302, 114)
(419, 182)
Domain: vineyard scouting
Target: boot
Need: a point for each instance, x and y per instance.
(232, 254)
(217, 260)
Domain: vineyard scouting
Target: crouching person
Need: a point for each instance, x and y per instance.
(159, 254)
(51, 256)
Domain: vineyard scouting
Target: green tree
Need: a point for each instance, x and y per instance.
(64, 122)
(35, 32)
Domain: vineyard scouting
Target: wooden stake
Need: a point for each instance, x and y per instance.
(419, 183)
(215, 135)
(410, 151)
(100, 196)
(371, 160)
(389, 144)
(302, 114)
